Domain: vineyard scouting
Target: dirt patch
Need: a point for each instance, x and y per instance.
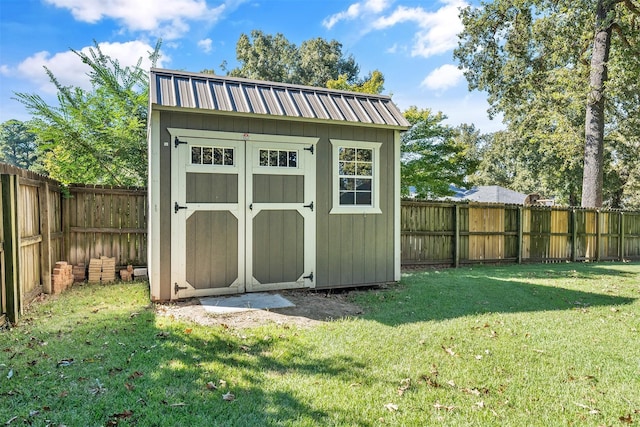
(311, 308)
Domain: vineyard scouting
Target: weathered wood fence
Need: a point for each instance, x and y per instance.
(444, 233)
(42, 223)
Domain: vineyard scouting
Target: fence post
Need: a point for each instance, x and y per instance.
(598, 218)
(11, 247)
(45, 231)
(456, 236)
(621, 236)
(574, 235)
(520, 233)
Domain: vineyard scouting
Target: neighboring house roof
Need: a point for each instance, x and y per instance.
(238, 96)
(491, 194)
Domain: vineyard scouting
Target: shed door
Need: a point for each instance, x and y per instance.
(280, 221)
(243, 216)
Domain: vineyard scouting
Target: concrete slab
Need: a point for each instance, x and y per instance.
(244, 302)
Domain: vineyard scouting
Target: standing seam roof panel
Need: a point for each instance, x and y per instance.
(203, 95)
(211, 92)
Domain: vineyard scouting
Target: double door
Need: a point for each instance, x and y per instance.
(243, 213)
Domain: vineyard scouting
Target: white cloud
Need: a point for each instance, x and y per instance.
(5, 70)
(355, 11)
(438, 31)
(205, 45)
(443, 78)
(163, 18)
(71, 71)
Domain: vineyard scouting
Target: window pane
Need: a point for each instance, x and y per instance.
(217, 156)
(347, 197)
(196, 155)
(347, 184)
(273, 157)
(293, 159)
(282, 159)
(364, 169)
(264, 158)
(363, 198)
(346, 168)
(347, 154)
(228, 156)
(362, 184)
(364, 155)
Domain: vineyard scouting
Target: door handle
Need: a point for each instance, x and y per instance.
(310, 206)
(251, 207)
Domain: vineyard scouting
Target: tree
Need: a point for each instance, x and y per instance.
(316, 62)
(546, 71)
(96, 136)
(434, 155)
(17, 144)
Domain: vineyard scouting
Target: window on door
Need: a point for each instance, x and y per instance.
(355, 176)
(215, 156)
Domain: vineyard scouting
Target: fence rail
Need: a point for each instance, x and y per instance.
(445, 233)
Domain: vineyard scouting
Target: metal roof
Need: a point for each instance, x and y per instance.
(233, 95)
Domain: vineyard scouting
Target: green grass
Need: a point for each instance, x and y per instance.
(534, 345)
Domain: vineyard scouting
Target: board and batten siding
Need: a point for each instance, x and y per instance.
(351, 249)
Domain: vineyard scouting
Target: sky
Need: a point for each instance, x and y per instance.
(410, 42)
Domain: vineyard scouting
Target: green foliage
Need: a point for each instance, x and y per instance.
(17, 144)
(434, 155)
(532, 57)
(316, 62)
(96, 136)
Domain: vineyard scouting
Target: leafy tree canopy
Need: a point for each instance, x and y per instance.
(17, 144)
(96, 136)
(435, 155)
(535, 59)
(316, 62)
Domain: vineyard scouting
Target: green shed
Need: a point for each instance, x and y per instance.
(257, 186)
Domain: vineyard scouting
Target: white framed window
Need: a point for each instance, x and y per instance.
(215, 156)
(277, 158)
(356, 176)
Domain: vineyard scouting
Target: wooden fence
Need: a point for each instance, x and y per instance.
(442, 233)
(41, 224)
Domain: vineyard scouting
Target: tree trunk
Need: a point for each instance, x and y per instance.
(592, 179)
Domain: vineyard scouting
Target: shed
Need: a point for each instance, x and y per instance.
(257, 186)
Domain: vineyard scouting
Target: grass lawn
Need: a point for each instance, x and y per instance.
(543, 345)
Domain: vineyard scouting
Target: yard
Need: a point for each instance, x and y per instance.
(555, 344)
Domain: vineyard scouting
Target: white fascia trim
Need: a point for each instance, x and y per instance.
(396, 211)
(153, 249)
(355, 209)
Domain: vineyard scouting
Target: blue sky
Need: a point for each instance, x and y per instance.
(410, 42)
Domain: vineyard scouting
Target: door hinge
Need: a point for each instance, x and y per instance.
(177, 207)
(310, 206)
(177, 142)
(310, 276)
(177, 288)
(309, 149)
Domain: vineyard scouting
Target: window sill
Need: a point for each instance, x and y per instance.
(355, 210)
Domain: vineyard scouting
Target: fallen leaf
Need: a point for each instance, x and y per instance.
(178, 404)
(449, 351)
(63, 393)
(162, 334)
(229, 397)
(188, 331)
(212, 386)
(222, 383)
(11, 420)
(10, 374)
(129, 387)
(478, 357)
(391, 407)
(134, 314)
(136, 374)
(626, 419)
(245, 348)
(439, 406)
(34, 413)
(451, 383)
(404, 386)
(65, 362)
(479, 404)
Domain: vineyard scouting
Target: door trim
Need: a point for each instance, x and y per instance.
(244, 143)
